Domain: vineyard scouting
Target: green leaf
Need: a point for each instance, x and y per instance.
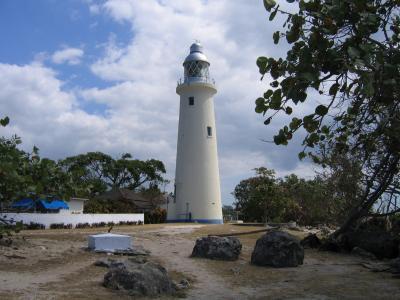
(302, 155)
(262, 62)
(321, 110)
(273, 14)
(4, 122)
(276, 36)
(268, 94)
(260, 101)
(276, 100)
(289, 110)
(293, 35)
(267, 121)
(334, 88)
(269, 4)
(295, 124)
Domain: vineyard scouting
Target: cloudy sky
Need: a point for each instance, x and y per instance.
(86, 75)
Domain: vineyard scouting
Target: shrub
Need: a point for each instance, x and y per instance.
(34, 226)
(82, 225)
(57, 226)
(159, 215)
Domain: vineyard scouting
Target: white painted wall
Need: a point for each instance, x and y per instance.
(74, 219)
(197, 173)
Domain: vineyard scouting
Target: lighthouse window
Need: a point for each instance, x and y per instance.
(191, 100)
(209, 131)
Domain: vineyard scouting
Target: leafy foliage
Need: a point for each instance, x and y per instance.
(347, 52)
(309, 202)
(96, 172)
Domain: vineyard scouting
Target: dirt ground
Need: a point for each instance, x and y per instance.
(54, 264)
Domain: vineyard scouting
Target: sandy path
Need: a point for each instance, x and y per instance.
(175, 256)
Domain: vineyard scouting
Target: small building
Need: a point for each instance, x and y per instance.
(76, 205)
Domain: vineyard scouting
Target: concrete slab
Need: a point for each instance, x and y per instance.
(109, 242)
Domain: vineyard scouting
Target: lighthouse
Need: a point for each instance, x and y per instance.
(197, 186)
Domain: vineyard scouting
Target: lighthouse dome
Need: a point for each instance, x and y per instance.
(196, 65)
(196, 54)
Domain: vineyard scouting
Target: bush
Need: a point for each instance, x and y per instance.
(157, 216)
(82, 225)
(34, 226)
(127, 223)
(57, 226)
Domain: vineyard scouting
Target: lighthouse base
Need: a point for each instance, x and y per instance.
(202, 221)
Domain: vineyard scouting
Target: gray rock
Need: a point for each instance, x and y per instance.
(132, 252)
(382, 244)
(147, 279)
(277, 249)
(182, 285)
(214, 247)
(104, 262)
(311, 241)
(363, 253)
(395, 265)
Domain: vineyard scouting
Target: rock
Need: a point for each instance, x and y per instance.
(377, 267)
(104, 262)
(147, 279)
(6, 242)
(395, 266)
(235, 270)
(311, 241)
(138, 259)
(382, 244)
(362, 253)
(214, 247)
(135, 251)
(182, 285)
(277, 249)
(330, 245)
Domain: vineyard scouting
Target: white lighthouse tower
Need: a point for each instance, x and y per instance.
(197, 186)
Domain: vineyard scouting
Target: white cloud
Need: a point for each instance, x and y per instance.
(71, 56)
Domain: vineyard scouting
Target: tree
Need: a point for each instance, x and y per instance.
(345, 54)
(10, 180)
(258, 198)
(98, 172)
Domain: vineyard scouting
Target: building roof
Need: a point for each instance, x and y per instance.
(196, 54)
(24, 203)
(54, 204)
(28, 203)
(140, 200)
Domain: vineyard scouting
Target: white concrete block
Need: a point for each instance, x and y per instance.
(109, 242)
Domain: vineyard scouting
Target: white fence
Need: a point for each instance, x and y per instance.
(74, 219)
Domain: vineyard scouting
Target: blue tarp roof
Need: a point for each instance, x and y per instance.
(29, 203)
(54, 204)
(23, 203)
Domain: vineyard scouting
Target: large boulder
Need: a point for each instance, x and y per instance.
(214, 247)
(382, 244)
(139, 279)
(277, 249)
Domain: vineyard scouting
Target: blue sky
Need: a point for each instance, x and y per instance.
(85, 75)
